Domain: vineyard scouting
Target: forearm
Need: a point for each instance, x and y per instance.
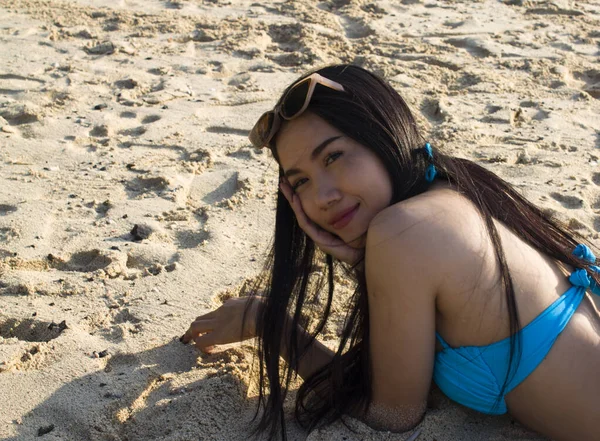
(316, 356)
(379, 417)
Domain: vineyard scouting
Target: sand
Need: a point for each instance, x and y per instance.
(131, 200)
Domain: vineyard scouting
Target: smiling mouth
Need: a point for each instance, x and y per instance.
(345, 220)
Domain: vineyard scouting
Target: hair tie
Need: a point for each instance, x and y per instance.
(430, 172)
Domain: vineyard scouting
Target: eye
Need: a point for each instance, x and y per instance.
(298, 183)
(332, 156)
(328, 160)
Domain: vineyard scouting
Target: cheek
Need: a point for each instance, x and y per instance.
(376, 181)
(308, 207)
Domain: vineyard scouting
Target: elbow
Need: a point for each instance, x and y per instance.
(395, 419)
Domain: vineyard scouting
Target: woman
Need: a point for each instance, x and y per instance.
(459, 278)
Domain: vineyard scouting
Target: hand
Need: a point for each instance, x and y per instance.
(326, 241)
(224, 325)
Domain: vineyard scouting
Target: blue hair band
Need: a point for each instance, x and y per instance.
(430, 172)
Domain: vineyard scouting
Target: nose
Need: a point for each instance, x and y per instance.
(327, 193)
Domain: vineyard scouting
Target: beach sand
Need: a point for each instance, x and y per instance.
(131, 200)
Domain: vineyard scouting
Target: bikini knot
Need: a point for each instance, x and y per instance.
(583, 252)
(580, 277)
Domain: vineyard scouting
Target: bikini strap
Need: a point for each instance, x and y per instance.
(442, 341)
(580, 276)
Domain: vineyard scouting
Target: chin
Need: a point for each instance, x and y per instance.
(358, 243)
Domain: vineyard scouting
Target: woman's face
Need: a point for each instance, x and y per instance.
(342, 184)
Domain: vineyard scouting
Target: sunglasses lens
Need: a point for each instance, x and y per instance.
(261, 130)
(294, 100)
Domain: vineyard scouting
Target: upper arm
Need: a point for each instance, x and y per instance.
(403, 272)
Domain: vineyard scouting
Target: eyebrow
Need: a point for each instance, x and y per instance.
(314, 155)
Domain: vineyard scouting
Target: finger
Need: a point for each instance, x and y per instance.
(286, 190)
(323, 238)
(295, 203)
(205, 342)
(198, 327)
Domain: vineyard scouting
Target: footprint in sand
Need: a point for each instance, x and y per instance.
(138, 130)
(123, 324)
(597, 223)
(149, 184)
(151, 257)
(189, 228)
(20, 113)
(568, 201)
(103, 262)
(591, 78)
(30, 330)
(31, 349)
(134, 131)
(435, 110)
(476, 47)
(212, 188)
(7, 209)
(11, 84)
(355, 27)
(83, 261)
(149, 119)
(191, 239)
(8, 234)
(587, 81)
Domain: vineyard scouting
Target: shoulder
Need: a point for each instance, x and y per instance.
(438, 229)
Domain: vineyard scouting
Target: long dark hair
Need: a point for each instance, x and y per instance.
(371, 112)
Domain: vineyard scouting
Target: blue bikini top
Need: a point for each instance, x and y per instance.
(474, 375)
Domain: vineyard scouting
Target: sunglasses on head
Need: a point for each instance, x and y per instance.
(293, 104)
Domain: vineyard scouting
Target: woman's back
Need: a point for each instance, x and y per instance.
(561, 395)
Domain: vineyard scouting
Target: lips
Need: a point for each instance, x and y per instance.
(342, 219)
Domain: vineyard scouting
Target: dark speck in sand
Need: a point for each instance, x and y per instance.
(141, 232)
(45, 429)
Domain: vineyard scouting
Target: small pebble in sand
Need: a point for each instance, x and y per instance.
(100, 354)
(100, 48)
(141, 232)
(100, 106)
(171, 267)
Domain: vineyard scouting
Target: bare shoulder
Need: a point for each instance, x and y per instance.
(439, 227)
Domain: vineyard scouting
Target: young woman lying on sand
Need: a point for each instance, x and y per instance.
(459, 278)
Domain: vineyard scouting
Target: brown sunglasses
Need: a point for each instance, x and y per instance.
(292, 105)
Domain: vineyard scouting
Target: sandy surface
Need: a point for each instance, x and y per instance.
(122, 113)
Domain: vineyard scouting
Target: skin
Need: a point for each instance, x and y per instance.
(430, 267)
